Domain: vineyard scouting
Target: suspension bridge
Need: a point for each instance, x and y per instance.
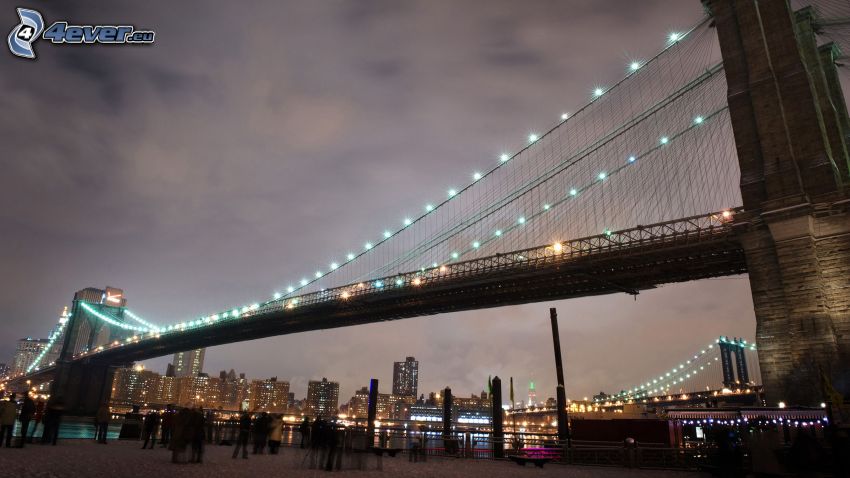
(723, 153)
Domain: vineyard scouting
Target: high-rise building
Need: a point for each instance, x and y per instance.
(322, 397)
(189, 363)
(406, 377)
(532, 395)
(26, 352)
(135, 386)
(5, 370)
(269, 395)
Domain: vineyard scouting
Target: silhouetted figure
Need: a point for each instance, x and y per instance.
(149, 428)
(275, 433)
(27, 412)
(38, 417)
(198, 429)
(181, 435)
(166, 425)
(304, 428)
(101, 420)
(52, 420)
(261, 433)
(209, 425)
(244, 432)
(8, 412)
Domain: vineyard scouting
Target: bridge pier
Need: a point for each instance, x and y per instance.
(790, 124)
(82, 385)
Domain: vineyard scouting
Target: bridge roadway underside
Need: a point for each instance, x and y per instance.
(631, 269)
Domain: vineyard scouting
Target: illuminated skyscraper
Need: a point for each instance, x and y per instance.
(532, 395)
(269, 395)
(406, 377)
(322, 398)
(189, 363)
(26, 352)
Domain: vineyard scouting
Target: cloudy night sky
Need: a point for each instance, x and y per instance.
(248, 145)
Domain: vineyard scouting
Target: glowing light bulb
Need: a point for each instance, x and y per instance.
(334, 265)
(597, 92)
(573, 192)
(674, 37)
(276, 297)
(303, 282)
(290, 290)
(455, 255)
(565, 116)
(350, 256)
(368, 245)
(476, 244)
(476, 176)
(727, 214)
(602, 176)
(632, 159)
(318, 274)
(521, 220)
(546, 207)
(452, 193)
(699, 120)
(345, 295)
(417, 281)
(429, 207)
(557, 247)
(665, 140)
(634, 66)
(498, 232)
(387, 234)
(407, 221)
(379, 284)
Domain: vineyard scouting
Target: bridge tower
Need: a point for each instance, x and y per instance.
(83, 385)
(791, 130)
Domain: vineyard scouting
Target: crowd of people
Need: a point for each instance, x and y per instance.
(27, 412)
(179, 430)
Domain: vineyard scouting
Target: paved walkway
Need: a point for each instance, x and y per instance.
(83, 458)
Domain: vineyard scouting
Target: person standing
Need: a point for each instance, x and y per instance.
(181, 435)
(275, 433)
(199, 435)
(101, 418)
(167, 425)
(304, 428)
(244, 431)
(8, 411)
(261, 433)
(27, 412)
(149, 429)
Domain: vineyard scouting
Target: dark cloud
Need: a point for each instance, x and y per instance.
(233, 154)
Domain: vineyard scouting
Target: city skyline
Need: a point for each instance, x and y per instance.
(287, 155)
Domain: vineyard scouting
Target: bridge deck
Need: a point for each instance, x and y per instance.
(623, 261)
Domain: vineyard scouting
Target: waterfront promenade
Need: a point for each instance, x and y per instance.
(126, 459)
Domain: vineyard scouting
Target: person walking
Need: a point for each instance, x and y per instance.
(261, 433)
(52, 420)
(275, 433)
(101, 419)
(149, 429)
(8, 412)
(27, 412)
(244, 432)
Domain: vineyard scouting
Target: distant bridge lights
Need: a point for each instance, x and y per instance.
(533, 137)
(634, 66)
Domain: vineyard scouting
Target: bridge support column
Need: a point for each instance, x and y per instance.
(786, 113)
(372, 413)
(498, 416)
(800, 281)
(82, 385)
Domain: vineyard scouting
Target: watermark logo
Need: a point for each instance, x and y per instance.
(31, 26)
(25, 33)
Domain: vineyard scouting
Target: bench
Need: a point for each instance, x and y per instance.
(521, 460)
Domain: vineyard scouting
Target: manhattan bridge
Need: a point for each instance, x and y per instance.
(724, 153)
